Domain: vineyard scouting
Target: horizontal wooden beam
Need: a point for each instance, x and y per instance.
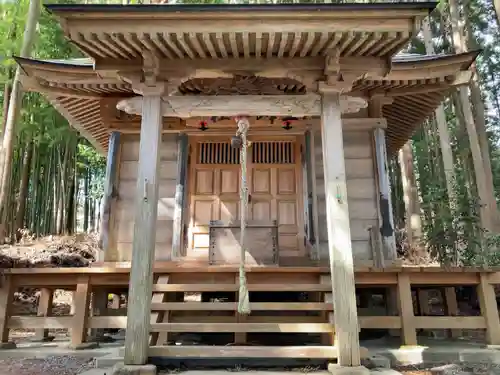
(249, 105)
(304, 68)
(268, 67)
(98, 25)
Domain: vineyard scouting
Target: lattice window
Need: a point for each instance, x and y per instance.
(217, 153)
(273, 152)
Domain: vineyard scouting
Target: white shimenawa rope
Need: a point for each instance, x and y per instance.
(244, 299)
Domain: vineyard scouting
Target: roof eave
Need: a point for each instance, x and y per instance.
(429, 6)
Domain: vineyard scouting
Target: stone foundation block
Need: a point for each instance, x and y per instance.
(102, 339)
(7, 345)
(376, 361)
(384, 371)
(84, 346)
(121, 369)
(450, 369)
(43, 339)
(336, 369)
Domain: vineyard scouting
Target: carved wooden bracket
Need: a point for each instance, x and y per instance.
(340, 77)
(150, 67)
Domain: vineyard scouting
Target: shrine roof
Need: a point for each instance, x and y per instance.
(172, 31)
(416, 83)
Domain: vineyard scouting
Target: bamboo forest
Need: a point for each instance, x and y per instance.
(52, 178)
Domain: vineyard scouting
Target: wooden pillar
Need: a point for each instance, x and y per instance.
(310, 178)
(405, 302)
(44, 309)
(109, 194)
(143, 243)
(489, 310)
(385, 204)
(449, 295)
(180, 194)
(339, 233)
(6, 299)
(81, 301)
(100, 297)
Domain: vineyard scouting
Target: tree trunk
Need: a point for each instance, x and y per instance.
(487, 210)
(444, 135)
(6, 98)
(496, 6)
(480, 120)
(6, 152)
(410, 197)
(86, 206)
(23, 190)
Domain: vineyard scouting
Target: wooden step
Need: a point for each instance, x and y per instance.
(201, 351)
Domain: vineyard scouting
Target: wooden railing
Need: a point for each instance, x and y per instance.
(171, 314)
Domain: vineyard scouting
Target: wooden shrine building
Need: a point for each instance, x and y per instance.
(319, 95)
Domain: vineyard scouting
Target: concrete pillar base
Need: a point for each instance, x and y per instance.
(336, 369)
(121, 369)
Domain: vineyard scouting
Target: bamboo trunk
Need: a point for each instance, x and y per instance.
(86, 205)
(15, 102)
(23, 189)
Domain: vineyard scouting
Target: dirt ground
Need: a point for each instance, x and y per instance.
(53, 365)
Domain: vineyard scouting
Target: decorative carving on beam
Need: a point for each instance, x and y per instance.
(243, 85)
(250, 105)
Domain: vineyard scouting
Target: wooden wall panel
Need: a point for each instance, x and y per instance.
(361, 192)
(124, 212)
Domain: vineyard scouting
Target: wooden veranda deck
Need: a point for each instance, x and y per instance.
(173, 315)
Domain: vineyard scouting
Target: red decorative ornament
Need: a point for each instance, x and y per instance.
(203, 125)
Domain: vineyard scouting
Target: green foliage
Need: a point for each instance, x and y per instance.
(451, 229)
(61, 157)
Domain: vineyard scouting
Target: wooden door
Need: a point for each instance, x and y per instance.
(275, 184)
(276, 190)
(214, 190)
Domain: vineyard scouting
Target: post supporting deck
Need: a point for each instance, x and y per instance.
(385, 203)
(109, 194)
(100, 297)
(180, 194)
(339, 233)
(143, 245)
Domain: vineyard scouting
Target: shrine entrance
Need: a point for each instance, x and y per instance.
(275, 189)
